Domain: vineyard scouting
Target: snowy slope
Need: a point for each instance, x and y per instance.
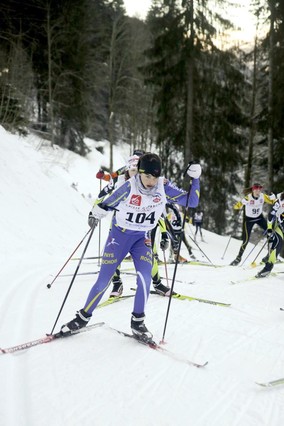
(102, 378)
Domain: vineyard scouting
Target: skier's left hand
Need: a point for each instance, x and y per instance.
(194, 170)
(269, 234)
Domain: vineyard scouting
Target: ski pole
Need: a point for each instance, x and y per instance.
(253, 264)
(50, 284)
(166, 269)
(254, 248)
(200, 249)
(74, 276)
(176, 263)
(100, 229)
(190, 229)
(226, 247)
(236, 222)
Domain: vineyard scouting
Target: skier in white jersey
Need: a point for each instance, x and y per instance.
(253, 201)
(138, 205)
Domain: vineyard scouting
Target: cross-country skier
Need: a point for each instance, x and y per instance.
(198, 221)
(275, 229)
(130, 170)
(138, 205)
(253, 201)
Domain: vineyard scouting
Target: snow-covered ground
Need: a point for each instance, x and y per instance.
(102, 378)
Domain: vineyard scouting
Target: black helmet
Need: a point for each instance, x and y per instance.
(150, 164)
(138, 152)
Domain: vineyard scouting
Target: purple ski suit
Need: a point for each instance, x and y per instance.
(122, 241)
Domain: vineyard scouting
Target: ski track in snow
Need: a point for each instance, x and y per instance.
(227, 337)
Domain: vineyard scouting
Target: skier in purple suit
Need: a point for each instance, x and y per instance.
(138, 205)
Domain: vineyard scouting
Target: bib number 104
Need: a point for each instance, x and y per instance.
(140, 217)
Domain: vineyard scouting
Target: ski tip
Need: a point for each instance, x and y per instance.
(202, 365)
(196, 364)
(265, 385)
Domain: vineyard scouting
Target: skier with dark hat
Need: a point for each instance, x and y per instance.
(138, 205)
(275, 229)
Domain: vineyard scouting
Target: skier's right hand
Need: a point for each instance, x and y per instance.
(99, 211)
(92, 220)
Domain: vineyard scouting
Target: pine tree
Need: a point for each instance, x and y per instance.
(198, 95)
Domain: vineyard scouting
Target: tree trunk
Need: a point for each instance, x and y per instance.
(50, 97)
(189, 105)
(270, 97)
(252, 120)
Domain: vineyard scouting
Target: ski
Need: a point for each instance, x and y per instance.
(244, 280)
(210, 302)
(162, 278)
(47, 339)
(198, 263)
(271, 383)
(254, 278)
(153, 345)
(184, 297)
(112, 300)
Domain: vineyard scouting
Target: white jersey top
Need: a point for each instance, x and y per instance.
(141, 212)
(253, 206)
(198, 217)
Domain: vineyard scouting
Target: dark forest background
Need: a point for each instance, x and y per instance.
(83, 68)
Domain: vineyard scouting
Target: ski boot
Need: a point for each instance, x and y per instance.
(161, 288)
(138, 327)
(236, 261)
(117, 287)
(265, 271)
(81, 320)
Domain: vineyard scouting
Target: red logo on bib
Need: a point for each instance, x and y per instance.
(135, 200)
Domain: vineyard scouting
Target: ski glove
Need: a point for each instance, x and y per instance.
(177, 226)
(194, 170)
(92, 220)
(96, 214)
(175, 245)
(164, 243)
(269, 234)
(100, 174)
